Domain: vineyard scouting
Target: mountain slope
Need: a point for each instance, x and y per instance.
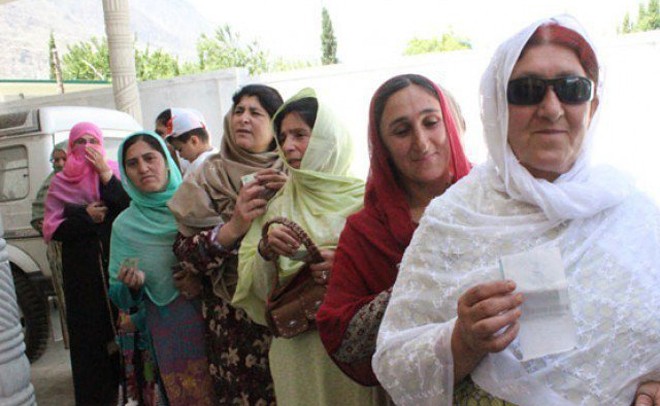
(25, 27)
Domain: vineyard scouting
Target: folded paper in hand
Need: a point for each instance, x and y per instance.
(546, 324)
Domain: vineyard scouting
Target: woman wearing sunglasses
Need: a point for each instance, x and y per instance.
(451, 328)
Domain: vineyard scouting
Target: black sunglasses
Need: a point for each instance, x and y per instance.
(527, 91)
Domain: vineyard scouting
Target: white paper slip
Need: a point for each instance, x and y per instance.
(250, 177)
(546, 324)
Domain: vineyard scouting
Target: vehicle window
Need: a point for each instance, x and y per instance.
(14, 175)
(111, 147)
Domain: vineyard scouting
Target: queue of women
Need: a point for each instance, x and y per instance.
(416, 310)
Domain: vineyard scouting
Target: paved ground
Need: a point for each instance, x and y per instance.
(51, 374)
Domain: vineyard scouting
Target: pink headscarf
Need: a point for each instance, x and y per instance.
(78, 183)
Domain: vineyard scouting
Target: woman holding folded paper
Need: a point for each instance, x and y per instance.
(537, 193)
(214, 209)
(318, 196)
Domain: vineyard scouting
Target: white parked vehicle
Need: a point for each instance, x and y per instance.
(26, 142)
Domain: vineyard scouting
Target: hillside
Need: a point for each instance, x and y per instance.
(25, 27)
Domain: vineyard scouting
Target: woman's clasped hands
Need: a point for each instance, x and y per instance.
(283, 241)
(97, 211)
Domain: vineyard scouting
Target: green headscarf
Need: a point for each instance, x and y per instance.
(146, 230)
(318, 196)
(40, 199)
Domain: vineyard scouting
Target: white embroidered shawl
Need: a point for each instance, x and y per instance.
(609, 236)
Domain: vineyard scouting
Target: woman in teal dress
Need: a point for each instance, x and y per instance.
(141, 261)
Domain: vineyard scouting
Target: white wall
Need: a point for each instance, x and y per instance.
(628, 137)
(349, 91)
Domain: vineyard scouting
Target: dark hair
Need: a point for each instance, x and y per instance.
(269, 98)
(153, 143)
(201, 133)
(306, 107)
(393, 85)
(553, 33)
(164, 117)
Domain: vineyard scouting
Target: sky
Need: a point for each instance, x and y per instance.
(370, 31)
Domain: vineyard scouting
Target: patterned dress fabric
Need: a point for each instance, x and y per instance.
(608, 235)
(145, 232)
(236, 347)
(318, 196)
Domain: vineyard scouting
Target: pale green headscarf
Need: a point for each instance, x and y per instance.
(318, 196)
(40, 199)
(146, 230)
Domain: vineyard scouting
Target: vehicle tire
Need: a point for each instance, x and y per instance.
(33, 307)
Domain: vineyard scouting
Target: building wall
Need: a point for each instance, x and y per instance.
(627, 131)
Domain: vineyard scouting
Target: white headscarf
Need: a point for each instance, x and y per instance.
(580, 192)
(609, 238)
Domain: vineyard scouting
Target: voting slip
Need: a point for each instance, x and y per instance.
(546, 324)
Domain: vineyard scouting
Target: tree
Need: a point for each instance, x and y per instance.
(89, 60)
(328, 40)
(51, 49)
(648, 19)
(651, 20)
(280, 64)
(155, 65)
(626, 25)
(225, 50)
(448, 42)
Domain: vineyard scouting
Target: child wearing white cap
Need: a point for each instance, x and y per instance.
(188, 135)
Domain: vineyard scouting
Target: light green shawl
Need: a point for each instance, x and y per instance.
(38, 203)
(318, 196)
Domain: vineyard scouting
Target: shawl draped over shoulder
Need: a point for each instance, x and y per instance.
(374, 239)
(76, 184)
(318, 196)
(608, 235)
(146, 231)
(208, 197)
(40, 200)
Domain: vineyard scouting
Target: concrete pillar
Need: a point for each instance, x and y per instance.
(122, 57)
(15, 386)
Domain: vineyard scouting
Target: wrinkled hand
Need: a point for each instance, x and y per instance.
(188, 283)
(483, 311)
(97, 211)
(133, 278)
(97, 159)
(281, 241)
(321, 271)
(648, 394)
(272, 179)
(249, 205)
